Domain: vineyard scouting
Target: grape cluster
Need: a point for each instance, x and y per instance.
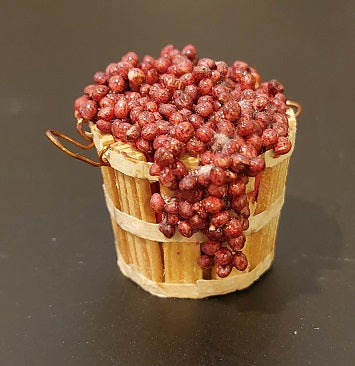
(178, 104)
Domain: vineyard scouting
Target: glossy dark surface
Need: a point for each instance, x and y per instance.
(62, 298)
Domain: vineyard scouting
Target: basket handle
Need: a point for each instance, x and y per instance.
(295, 105)
(55, 135)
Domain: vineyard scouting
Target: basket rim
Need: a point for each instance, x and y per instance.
(121, 160)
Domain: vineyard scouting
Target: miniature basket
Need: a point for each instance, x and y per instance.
(168, 267)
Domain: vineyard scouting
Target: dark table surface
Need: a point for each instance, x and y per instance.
(63, 301)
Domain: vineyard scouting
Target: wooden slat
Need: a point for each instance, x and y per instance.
(121, 242)
(119, 235)
(125, 208)
(153, 248)
(261, 243)
(138, 193)
(272, 184)
(134, 210)
(180, 262)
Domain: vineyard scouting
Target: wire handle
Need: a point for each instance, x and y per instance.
(55, 135)
(295, 105)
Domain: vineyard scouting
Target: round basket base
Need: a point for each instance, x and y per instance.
(199, 289)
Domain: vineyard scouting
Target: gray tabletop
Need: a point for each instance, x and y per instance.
(63, 301)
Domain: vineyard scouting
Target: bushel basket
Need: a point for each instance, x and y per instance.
(168, 267)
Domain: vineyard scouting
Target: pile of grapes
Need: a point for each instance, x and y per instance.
(178, 104)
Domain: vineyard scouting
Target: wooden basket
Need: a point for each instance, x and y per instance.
(168, 267)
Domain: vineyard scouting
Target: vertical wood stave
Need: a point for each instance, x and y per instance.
(120, 236)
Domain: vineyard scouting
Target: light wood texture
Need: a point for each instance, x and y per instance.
(261, 243)
(272, 183)
(153, 248)
(199, 289)
(121, 186)
(180, 262)
(120, 236)
(147, 253)
(133, 209)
